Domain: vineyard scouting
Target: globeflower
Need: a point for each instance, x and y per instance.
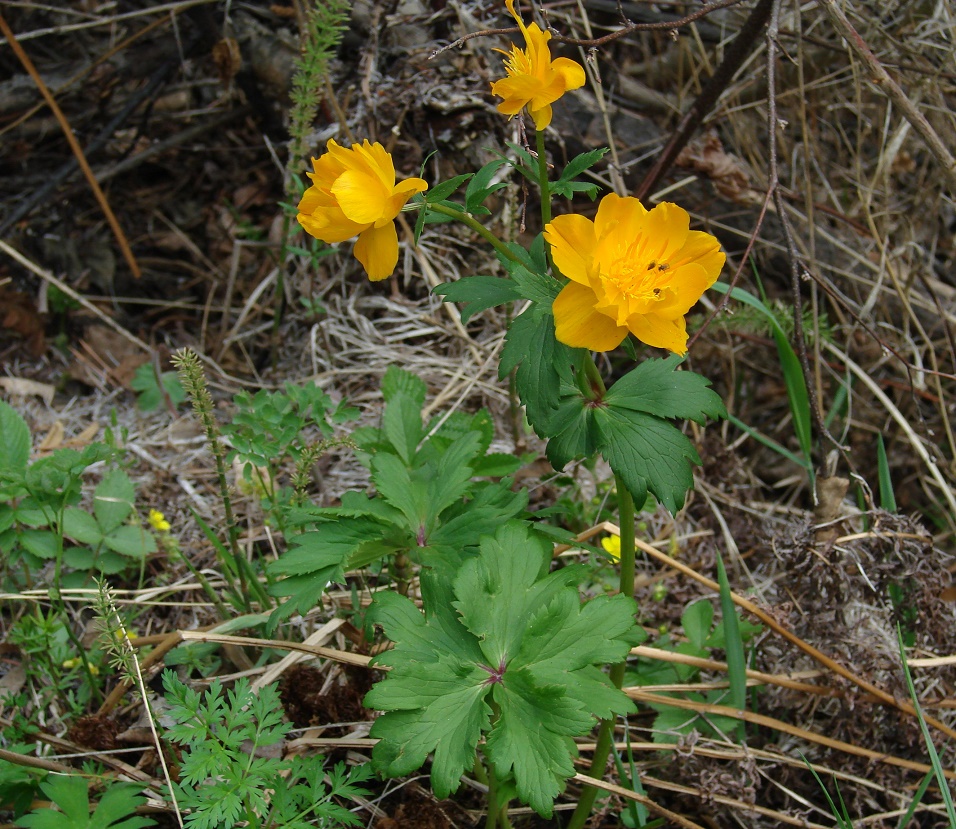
(354, 193)
(534, 80)
(631, 270)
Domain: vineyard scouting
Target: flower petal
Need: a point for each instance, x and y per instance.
(704, 250)
(330, 225)
(377, 250)
(572, 243)
(614, 211)
(665, 231)
(659, 331)
(541, 117)
(571, 72)
(578, 325)
(362, 197)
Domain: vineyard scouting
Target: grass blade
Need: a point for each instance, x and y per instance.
(733, 646)
(941, 780)
(887, 496)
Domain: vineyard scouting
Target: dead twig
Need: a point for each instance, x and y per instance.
(74, 146)
(882, 80)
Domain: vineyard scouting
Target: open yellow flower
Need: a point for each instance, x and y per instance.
(631, 270)
(534, 80)
(354, 193)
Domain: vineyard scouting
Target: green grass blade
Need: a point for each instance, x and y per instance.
(941, 780)
(733, 647)
(793, 378)
(887, 496)
(843, 820)
(905, 820)
(769, 442)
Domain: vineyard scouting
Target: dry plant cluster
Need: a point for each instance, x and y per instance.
(815, 139)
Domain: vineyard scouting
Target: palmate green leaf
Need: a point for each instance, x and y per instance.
(114, 811)
(648, 453)
(509, 628)
(398, 381)
(656, 387)
(478, 293)
(541, 362)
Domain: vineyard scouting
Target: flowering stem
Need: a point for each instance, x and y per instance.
(543, 178)
(603, 746)
(478, 227)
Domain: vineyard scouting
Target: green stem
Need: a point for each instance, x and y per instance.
(543, 179)
(478, 227)
(602, 748)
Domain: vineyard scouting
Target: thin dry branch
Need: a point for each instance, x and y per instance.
(74, 146)
(882, 80)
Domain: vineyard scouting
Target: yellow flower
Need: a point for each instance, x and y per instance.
(354, 193)
(158, 521)
(75, 662)
(631, 270)
(612, 546)
(534, 80)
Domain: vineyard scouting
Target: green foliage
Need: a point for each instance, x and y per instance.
(224, 779)
(887, 495)
(39, 512)
(115, 810)
(268, 427)
(793, 378)
(628, 426)
(429, 505)
(567, 185)
(150, 395)
(326, 21)
(505, 650)
(703, 637)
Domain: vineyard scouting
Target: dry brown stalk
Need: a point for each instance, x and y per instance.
(641, 695)
(680, 820)
(806, 647)
(882, 80)
(24, 59)
(253, 642)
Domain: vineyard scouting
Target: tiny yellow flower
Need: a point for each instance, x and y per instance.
(533, 79)
(612, 546)
(158, 521)
(354, 193)
(69, 664)
(631, 270)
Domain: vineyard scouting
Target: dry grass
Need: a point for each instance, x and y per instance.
(863, 223)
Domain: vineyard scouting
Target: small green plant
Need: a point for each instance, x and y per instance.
(432, 504)
(115, 810)
(40, 520)
(269, 428)
(224, 780)
(703, 637)
(153, 392)
(505, 650)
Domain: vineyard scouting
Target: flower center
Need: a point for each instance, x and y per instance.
(638, 278)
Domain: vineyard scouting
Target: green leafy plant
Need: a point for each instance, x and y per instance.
(115, 809)
(702, 637)
(225, 780)
(153, 392)
(431, 505)
(505, 650)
